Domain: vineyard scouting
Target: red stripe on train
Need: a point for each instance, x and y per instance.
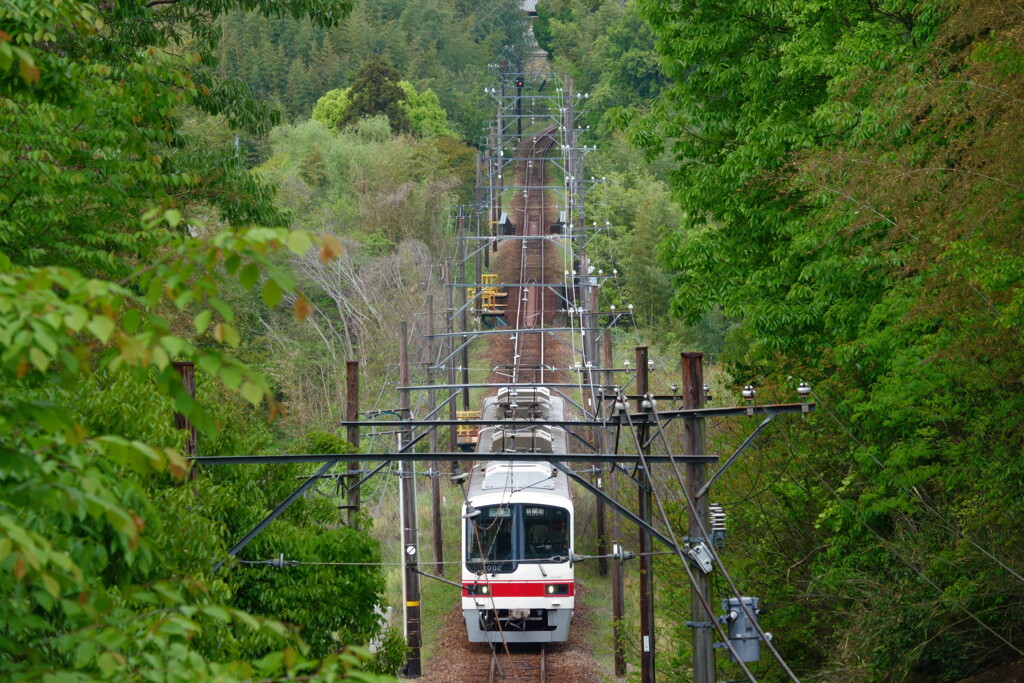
(519, 589)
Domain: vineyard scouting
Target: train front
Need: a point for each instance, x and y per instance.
(517, 580)
(517, 577)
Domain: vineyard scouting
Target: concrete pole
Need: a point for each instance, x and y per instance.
(464, 319)
(693, 444)
(499, 158)
(478, 306)
(590, 354)
(570, 165)
(453, 445)
(410, 544)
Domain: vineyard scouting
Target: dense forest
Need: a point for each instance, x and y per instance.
(824, 191)
(848, 181)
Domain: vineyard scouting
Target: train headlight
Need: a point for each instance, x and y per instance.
(478, 589)
(556, 589)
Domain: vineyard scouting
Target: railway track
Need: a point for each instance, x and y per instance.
(520, 665)
(533, 306)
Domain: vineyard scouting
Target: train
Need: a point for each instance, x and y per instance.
(517, 539)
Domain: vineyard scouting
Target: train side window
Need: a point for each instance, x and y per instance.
(546, 532)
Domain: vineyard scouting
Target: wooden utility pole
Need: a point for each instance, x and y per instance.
(618, 589)
(647, 669)
(410, 544)
(435, 478)
(352, 415)
(187, 371)
(693, 444)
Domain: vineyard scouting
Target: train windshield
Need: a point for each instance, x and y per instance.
(502, 536)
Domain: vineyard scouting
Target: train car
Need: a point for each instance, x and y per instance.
(517, 539)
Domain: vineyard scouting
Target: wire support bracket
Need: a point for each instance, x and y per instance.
(732, 458)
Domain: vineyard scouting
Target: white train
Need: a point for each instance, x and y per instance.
(517, 539)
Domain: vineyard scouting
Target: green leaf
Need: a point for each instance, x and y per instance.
(231, 376)
(50, 584)
(76, 317)
(231, 336)
(131, 321)
(249, 275)
(39, 359)
(218, 613)
(202, 321)
(102, 326)
(299, 242)
(85, 652)
(272, 293)
(107, 664)
(252, 393)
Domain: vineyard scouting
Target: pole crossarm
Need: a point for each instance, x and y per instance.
(642, 418)
(621, 509)
(766, 409)
(539, 330)
(442, 364)
(513, 385)
(454, 313)
(512, 424)
(445, 456)
(582, 440)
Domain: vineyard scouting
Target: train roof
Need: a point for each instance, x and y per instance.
(525, 403)
(513, 481)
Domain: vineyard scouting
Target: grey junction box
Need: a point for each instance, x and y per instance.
(743, 634)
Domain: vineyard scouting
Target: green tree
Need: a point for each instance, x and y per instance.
(849, 193)
(330, 108)
(106, 276)
(423, 110)
(375, 91)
